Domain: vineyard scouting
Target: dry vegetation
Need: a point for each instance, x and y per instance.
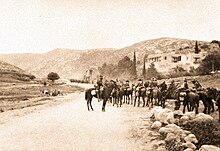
(18, 95)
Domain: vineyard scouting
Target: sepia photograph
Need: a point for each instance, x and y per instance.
(109, 75)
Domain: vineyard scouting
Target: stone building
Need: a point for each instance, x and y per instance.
(165, 62)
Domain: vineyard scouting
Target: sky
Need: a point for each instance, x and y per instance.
(42, 25)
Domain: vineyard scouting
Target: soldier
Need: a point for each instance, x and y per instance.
(100, 82)
(153, 82)
(127, 85)
(185, 85)
(99, 87)
(140, 84)
(197, 85)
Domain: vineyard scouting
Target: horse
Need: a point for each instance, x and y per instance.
(191, 100)
(115, 94)
(140, 93)
(127, 95)
(104, 95)
(206, 97)
(89, 93)
(161, 95)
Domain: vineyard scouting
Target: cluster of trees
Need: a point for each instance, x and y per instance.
(123, 69)
(209, 64)
(126, 69)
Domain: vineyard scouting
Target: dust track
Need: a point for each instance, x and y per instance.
(69, 126)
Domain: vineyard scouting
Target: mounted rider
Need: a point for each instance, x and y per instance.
(127, 85)
(153, 82)
(197, 86)
(185, 86)
(99, 87)
(100, 82)
(140, 85)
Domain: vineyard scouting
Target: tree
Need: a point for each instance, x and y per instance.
(152, 71)
(197, 50)
(210, 63)
(134, 70)
(53, 76)
(125, 65)
(144, 70)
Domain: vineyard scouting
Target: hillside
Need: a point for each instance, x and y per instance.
(70, 63)
(11, 73)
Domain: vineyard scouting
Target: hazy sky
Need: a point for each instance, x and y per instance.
(43, 25)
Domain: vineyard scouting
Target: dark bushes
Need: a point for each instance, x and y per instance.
(207, 132)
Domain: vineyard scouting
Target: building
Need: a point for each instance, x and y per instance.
(165, 62)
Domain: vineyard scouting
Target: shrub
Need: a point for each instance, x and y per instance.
(173, 145)
(206, 132)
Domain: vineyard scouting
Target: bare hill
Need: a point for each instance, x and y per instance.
(11, 73)
(70, 63)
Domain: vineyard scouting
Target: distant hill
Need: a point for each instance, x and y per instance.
(11, 73)
(69, 63)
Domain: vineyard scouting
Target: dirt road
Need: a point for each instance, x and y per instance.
(69, 126)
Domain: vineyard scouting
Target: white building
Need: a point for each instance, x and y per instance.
(165, 62)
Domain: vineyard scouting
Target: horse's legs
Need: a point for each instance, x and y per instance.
(139, 99)
(135, 99)
(148, 99)
(143, 101)
(90, 102)
(212, 107)
(103, 105)
(120, 101)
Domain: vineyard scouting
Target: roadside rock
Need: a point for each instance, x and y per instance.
(157, 144)
(191, 115)
(164, 130)
(191, 138)
(155, 111)
(188, 149)
(156, 125)
(178, 113)
(209, 148)
(184, 119)
(172, 136)
(176, 129)
(189, 145)
(161, 148)
(165, 116)
(203, 117)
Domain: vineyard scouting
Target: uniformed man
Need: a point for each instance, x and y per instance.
(185, 85)
(100, 82)
(127, 85)
(140, 84)
(99, 87)
(197, 86)
(153, 82)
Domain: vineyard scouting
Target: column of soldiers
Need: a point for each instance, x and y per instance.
(140, 84)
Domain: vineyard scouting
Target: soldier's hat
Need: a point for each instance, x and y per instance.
(140, 80)
(127, 80)
(101, 77)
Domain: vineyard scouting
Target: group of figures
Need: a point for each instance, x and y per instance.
(151, 93)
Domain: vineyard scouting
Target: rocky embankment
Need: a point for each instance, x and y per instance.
(171, 127)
